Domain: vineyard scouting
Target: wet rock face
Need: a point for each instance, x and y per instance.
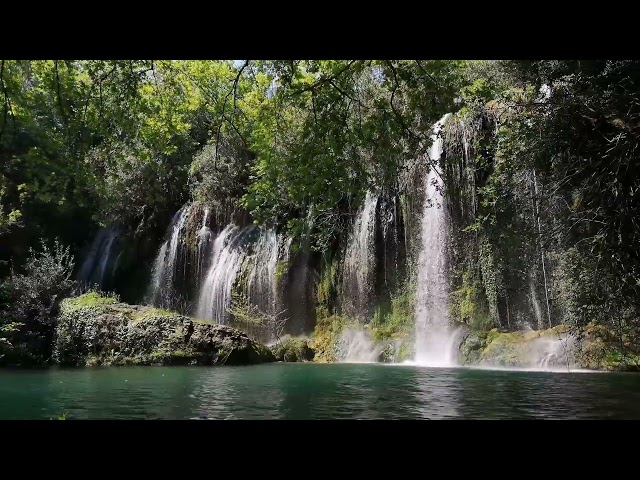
(121, 334)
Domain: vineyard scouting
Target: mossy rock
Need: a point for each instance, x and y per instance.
(293, 350)
(326, 336)
(99, 332)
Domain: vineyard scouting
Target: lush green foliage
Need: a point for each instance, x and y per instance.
(548, 205)
(396, 321)
(89, 299)
(539, 166)
(29, 303)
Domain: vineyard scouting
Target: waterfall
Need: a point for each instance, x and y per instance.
(262, 285)
(95, 268)
(534, 301)
(357, 346)
(435, 343)
(226, 259)
(547, 353)
(359, 257)
(157, 273)
(204, 238)
(166, 263)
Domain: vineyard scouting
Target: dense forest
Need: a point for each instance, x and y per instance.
(294, 190)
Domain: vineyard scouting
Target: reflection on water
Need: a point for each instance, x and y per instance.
(436, 396)
(312, 391)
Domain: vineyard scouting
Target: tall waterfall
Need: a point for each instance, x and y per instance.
(166, 263)
(226, 260)
(98, 267)
(359, 257)
(436, 343)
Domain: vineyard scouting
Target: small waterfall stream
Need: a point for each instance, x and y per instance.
(204, 240)
(360, 259)
(161, 289)
(261, 285)
(98, 267)
(253, 253)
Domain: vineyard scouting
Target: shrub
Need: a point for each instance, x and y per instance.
(29, 304)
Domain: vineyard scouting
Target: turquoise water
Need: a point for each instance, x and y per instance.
(315, 391)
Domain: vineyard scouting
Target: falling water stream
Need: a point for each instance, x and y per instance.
(95, 269)
(359, 258)
(435, 343)
(165, 266)
(226, 260)
(261, 285)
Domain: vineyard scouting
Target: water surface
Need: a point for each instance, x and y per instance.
(315, 391)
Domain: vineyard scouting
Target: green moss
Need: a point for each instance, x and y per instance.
(293, 350)
(89, 299)
(119, 334)
(467, 306)
(406, 351)
(281, 269)
(600, 350)
(325, 335)
(504, 348)
(326, 289)
(397, 321)
(490, 276)
(153, 312)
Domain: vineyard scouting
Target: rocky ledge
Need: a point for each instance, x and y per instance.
(591, 347)
(94, 330)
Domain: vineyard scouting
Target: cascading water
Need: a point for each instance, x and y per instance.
(262, 285)
(157, 273)
(226, 261)
(535, 303)
(166, 263)
(436, 343)
(95, 268)
(359, 257)
(204, 239)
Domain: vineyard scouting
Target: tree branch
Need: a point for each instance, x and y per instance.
(322, 80)
(224, 106)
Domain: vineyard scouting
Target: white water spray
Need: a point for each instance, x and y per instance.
(357, 346)
(157, 273)
(436, 343)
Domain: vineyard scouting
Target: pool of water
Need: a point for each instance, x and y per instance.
(315, 391)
